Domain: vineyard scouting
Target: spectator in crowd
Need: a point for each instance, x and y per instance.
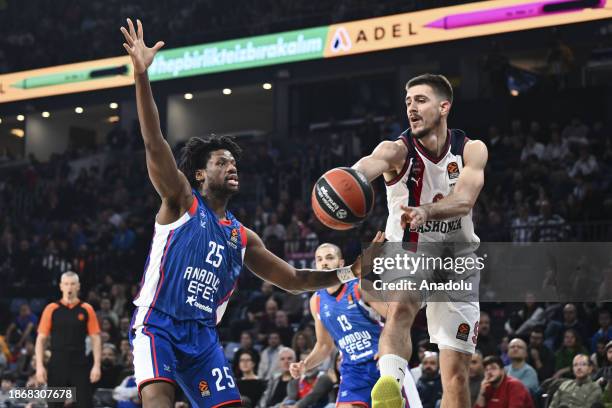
(565, 355)
(110, 369)
(532, 149)
(23, 328)
(500, 390)
(300, 342)
(582, 391)
(269, 357)
(486, 343)
(504, 347)
(310, 390)
(281, 325)
(246, 345)
(556, 149)
(119, 301)
(605, 369)
(555, 329)
(476, 374)
(107, 312)
(519, 369)
(586, 164)
(417, 371)
(429, 384)
(530, 315)
(126, 393)
(540, 357)
(8, 383)
(267, 323)
(604, 332)
(249, 384)
(124, 238)
(276, 391)
(274, 229)
(124, 327)
(523, 225)
(259, 298)
(24, 368)
(550, 227)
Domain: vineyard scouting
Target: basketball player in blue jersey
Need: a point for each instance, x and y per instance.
(434, 176)
(350, 320)
(196, 256)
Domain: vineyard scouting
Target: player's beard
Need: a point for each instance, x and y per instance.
(222, 189)
(427, 130)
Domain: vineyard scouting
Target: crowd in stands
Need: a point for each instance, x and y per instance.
(545, 182)
(92, 27)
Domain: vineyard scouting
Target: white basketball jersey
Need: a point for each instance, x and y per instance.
(423, 180)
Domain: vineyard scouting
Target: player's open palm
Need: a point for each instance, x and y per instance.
(142, 56)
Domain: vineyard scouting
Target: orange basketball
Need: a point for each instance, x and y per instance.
(342, 198)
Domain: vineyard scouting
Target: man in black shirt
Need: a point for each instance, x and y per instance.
(68, 322)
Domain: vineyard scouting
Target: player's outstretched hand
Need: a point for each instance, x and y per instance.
(413, 216)
(142, 56)
(297, 370)
(356, 267)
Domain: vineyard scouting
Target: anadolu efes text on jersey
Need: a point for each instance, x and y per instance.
(426, 179)
(193, 266)
(354, 326)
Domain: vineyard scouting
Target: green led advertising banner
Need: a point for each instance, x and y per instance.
(239, 54)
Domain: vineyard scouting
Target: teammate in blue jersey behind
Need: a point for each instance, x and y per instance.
(196, 256)
(347, 318)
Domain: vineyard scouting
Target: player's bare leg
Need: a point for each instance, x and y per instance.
(395, 349)
(455, 381)
(345, 405)
(158, 395)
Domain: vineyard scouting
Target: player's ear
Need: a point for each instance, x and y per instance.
(445, 106)
(200, 175)
(341, 263)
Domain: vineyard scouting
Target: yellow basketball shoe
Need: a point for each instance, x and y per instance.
(387, 393)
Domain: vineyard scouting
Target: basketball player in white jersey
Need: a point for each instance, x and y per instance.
(433, 176)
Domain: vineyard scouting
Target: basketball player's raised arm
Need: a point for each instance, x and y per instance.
(464, 195)
(271, 268)
(168, 181)
(322, 348)
(388, 157)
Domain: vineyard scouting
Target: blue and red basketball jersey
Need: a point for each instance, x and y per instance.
(193, 266)
(353, 325)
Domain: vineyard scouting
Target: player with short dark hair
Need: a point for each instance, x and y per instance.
(196, 256)
(434, 175)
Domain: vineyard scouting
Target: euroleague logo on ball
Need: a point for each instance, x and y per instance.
(341, 213)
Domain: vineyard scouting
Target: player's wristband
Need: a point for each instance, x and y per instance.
(345, 274)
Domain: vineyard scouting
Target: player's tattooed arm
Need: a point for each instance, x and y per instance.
(273, 269)
(464, 195)
(387, 158)
(169, 182)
